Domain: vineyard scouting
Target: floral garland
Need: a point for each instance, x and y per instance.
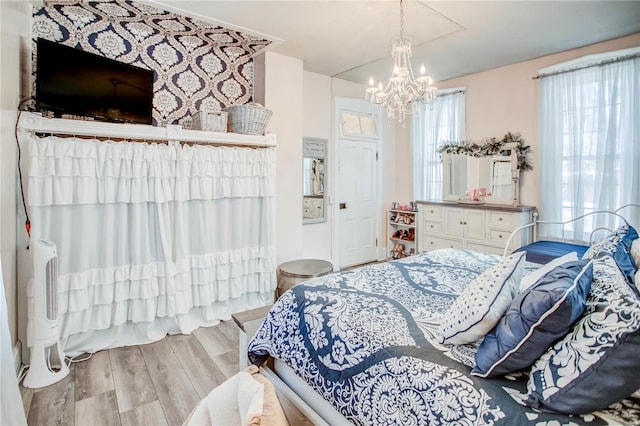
(491, 146)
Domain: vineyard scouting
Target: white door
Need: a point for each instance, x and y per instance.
(358, 183)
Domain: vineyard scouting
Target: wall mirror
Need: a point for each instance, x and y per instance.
(498, 174)
(314, 180)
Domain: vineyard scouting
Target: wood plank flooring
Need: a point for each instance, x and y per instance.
(155, 384)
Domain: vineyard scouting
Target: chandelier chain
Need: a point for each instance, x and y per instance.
(401, 20)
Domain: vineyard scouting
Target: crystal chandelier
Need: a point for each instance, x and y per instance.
(403, 89)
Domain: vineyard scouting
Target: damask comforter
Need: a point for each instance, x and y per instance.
(367, 341)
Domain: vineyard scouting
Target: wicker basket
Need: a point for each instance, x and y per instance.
(215, 121)
(248, 119)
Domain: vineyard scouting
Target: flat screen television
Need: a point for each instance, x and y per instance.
(75, 82)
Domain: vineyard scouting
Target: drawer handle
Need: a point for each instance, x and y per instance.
(431, 211)
(500, 236)
(431, 242)
(500, 219)
(431, 226)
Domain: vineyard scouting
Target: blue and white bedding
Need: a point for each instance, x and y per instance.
(367, 341)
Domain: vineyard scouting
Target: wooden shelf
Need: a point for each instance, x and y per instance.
(399, 240)
(403, 211)
(402, 224)
(33, 122)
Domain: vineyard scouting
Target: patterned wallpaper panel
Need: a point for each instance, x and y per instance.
(197, 65)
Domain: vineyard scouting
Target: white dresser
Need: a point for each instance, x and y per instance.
(484, 227)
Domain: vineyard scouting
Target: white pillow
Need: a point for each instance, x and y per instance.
(481, 305)
(635, 252)
(533, 277)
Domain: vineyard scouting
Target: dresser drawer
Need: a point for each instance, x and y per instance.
(499, 236)
(431, 213)
(431, 228)
(502, 220)
(483, 248)
(431, 243)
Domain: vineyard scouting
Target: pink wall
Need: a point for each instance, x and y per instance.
(506, 99)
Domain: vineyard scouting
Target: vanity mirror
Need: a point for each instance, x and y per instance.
(492, 170)
(314, 178)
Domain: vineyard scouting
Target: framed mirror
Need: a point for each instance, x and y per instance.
(497, 174)
(314, 180)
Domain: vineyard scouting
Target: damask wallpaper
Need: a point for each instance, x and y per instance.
(197, 65)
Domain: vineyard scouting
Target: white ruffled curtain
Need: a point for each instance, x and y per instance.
(152, 239)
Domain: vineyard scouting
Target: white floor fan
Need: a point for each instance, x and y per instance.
(47, 364)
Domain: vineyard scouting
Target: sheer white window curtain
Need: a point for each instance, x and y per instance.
(152, 239)
(435, 123)
(590, 143)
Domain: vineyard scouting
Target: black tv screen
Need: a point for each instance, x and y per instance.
(75, 82)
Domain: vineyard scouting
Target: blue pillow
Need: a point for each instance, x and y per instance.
(535, 320)
(596, 363)
(618, 246)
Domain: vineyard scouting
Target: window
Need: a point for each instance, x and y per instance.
(589, 143)
(439, 121)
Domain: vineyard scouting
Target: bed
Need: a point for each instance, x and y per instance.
(366, 347)
(544, 250)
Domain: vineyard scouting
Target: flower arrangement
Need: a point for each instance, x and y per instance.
(491, 146)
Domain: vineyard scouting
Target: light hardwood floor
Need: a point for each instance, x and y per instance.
(155, 384)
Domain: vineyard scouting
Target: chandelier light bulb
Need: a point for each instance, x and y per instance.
(423, 70)
(371, 81)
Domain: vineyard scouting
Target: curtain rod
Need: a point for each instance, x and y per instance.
(595, 64)
(35, 123)
(146, 140)
(455, 92)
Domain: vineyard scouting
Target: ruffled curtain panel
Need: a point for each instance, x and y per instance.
(151, 238)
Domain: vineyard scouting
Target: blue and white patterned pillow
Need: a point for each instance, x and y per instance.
(536, 319)
(597, 363)
(481, 305)
(617, 245)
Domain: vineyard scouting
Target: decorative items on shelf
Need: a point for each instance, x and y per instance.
(399, 252)
(412, 207)
(404, 234)
(399, 217)
(211, 120)
(402, 229)
(248, 119)
(491, 146)
(474, 196)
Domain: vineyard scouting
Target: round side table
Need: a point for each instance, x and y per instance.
(295, 271)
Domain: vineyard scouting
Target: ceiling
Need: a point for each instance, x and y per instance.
(351, 39)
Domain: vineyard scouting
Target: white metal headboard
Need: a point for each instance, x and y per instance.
(536, 222)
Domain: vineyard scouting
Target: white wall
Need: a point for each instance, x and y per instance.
(317, 123)
(283, 93)
(506, 99)
(14, 43)
(295, 240)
